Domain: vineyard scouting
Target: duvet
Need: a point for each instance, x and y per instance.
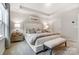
(36, 40)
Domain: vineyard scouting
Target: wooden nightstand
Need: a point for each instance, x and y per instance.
(17, 36)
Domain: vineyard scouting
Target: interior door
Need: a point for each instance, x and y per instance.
(69, 26)
(75, 27)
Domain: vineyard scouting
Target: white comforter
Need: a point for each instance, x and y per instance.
(36, 41)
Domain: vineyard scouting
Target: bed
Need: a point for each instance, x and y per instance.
(36, 35)
(35, 41)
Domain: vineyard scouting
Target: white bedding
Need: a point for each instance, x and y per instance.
(44, 39)
(36, 41)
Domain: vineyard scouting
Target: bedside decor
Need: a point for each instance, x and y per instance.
(17, 36)
(17, 26)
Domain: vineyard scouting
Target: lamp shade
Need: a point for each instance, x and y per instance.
(17, 25)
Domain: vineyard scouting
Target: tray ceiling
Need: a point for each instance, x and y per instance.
(43, 8)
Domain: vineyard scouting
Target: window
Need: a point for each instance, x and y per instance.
(1, 21)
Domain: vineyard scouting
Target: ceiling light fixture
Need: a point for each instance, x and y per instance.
(48, 4)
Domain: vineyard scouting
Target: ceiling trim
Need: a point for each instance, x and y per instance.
(30, 9)
(47, 14)
(64, 11)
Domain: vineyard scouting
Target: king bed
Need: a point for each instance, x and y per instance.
(36, 35)
(36, 41)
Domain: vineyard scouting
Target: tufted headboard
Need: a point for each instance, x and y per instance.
(33, 25)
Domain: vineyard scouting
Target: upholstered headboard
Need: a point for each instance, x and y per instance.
(33, 25)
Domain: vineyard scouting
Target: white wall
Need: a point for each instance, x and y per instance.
(67, 28)
(17, 18)
(52, 21)
(22, 19)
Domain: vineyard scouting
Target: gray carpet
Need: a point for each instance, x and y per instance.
(22, 48)
(19, 48)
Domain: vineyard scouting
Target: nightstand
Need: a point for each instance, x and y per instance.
(17, 36)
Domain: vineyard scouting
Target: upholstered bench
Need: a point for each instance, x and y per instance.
(53, 43)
